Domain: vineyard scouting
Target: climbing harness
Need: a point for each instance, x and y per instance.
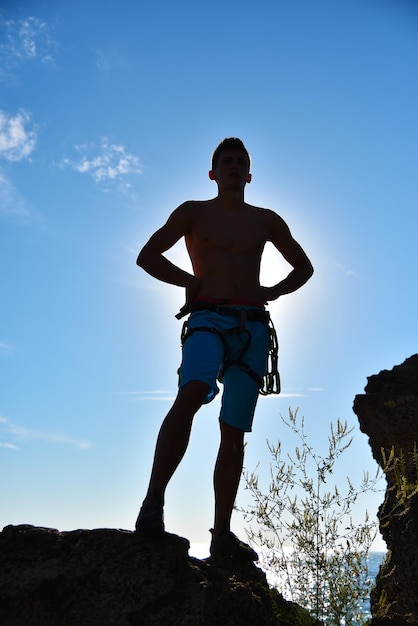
(270, 382)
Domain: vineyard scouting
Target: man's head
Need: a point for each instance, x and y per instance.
(231, 159)
(230, 143)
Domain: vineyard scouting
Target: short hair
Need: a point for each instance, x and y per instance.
(230, 143)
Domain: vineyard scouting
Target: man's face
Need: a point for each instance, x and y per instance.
(232, 170)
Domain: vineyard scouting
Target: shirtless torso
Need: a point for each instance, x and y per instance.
(225, 243)
(225, 247)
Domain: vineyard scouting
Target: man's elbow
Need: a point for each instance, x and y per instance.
(142, 257)
(307, 270)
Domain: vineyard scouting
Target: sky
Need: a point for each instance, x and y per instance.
(109, 113)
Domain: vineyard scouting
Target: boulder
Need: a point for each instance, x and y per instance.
(388, 414)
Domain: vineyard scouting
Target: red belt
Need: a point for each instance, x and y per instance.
(230, 302)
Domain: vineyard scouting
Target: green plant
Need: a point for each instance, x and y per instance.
(316, 552)
(402, 466)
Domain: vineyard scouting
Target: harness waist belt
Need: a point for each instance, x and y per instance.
(255, 315)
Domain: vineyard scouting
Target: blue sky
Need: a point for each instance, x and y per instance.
(109, 113)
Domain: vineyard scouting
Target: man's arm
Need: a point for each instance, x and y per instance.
(151, 257)
(282, 239)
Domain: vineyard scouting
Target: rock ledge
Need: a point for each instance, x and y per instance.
(108, 577)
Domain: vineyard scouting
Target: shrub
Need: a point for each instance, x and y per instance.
(326, 568)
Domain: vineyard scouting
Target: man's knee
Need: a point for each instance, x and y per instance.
(193, 392)
(232, 437)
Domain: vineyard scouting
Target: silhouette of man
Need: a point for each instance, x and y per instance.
(227, 332)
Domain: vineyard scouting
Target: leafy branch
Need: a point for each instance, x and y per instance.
(326, 568)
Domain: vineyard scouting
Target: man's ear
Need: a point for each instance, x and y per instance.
(212, 175)
(249, 178)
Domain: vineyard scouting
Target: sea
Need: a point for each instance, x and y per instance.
(201, 551)
(375, 559)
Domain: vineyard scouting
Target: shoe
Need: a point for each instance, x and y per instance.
(227, 545)
(150, 520)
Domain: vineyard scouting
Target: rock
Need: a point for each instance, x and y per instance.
(107, 577)
(388, 414)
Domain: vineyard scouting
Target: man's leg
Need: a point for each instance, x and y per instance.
(227, 475)
(171, 445)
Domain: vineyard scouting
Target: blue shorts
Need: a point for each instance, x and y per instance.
(205, 351)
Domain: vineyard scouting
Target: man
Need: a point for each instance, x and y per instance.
(227, 331)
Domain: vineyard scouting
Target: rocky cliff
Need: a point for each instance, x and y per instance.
(388, 414)
(110, 577)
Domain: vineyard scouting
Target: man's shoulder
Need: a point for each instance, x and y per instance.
(189, 213)
(193, 205)
(263, 212)
(271, 220)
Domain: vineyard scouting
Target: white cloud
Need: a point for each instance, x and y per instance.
(345, 270)
(284, 394)
(6, 348)
(26, 434)
(107, 163)
(17, 138)
(24, 41)
(10, 446)
(109, 59)
(12, 205)
(165, 395)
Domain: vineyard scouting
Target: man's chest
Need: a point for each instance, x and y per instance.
(235, 233)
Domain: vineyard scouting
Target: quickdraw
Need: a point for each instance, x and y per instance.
(271, 379)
